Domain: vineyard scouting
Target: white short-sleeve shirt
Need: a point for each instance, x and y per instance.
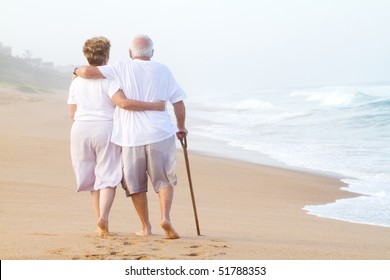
(144, 81)
(93, 99)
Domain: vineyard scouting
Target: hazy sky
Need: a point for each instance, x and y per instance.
(215, 45)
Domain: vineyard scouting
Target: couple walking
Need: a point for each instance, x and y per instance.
(122, 132)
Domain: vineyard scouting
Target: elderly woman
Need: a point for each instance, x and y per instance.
(96, 161)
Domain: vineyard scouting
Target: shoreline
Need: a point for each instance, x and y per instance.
(246, 210)
(207, 146)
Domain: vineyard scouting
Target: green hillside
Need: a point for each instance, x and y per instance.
(31, 75)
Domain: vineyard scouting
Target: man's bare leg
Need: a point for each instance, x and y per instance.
(140, 201)
(166, 197)
(106, 200)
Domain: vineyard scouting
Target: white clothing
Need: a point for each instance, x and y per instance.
(96, 161)
(144, 81)
(93, 99)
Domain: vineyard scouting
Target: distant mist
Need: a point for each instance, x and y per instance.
(31, 74)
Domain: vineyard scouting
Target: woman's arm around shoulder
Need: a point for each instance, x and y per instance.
(120, 99)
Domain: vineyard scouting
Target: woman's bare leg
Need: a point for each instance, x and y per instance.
(95, 202)
(106, 200)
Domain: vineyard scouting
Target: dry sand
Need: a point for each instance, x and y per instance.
(246, 211)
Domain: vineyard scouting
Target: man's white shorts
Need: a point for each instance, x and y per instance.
(96, 161)
(158, 160)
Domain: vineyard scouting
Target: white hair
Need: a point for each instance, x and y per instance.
(142, 46)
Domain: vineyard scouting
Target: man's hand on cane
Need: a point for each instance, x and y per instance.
(182, 134)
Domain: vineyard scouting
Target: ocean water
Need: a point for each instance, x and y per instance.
(342, 129)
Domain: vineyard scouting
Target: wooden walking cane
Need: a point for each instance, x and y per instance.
(183, 142)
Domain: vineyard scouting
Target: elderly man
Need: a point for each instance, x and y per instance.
(147, 138)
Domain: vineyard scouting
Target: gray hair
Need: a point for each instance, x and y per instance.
(142, 46)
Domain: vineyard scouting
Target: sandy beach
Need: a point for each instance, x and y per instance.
(246, 211)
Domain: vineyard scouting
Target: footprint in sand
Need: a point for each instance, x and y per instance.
(143, 257)
(129, 243)
(217, 240)
(95, 257)
(207, 249)
(59, 251)
(194, 254)
(218, 244)
(156, 249)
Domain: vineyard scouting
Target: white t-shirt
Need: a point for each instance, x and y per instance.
(144, 81)
(93, 99)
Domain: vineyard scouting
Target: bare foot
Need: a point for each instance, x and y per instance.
(103, 228)
(142, 233)
(147, 231)
(169, 230)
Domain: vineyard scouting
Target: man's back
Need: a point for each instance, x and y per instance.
(144, 81)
